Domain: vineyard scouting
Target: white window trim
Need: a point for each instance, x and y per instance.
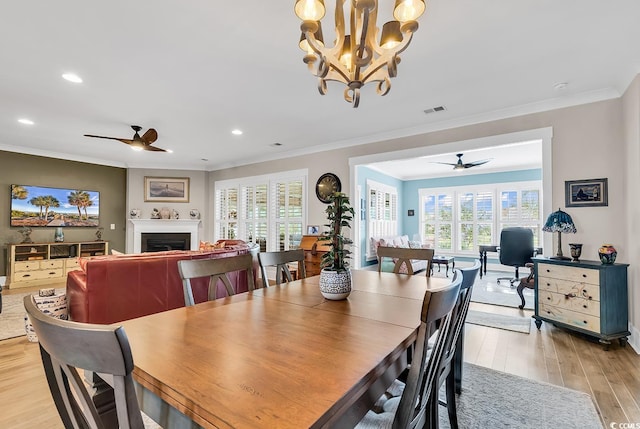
(270, 180)
(390, 226)
(496, 189)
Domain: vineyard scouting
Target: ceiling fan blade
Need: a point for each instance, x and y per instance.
(476, 163)
(445, 163)
(153, 149)
(102, 137)
(150, 136)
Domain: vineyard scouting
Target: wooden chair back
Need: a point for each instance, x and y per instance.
(435, 319)
(67, 347)
(215, 269)
(404, 256)
(451, 372)
(281, 260)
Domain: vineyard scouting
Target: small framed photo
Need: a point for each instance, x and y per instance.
(313, 230)
(166, 189)
(586, 193)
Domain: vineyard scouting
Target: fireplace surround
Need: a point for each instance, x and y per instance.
(165, 226)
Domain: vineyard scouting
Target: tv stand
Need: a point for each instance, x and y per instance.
(47, 264)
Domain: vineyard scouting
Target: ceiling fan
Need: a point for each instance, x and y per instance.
(137, 142)
(461, 165)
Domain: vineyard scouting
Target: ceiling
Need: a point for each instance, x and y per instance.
(507, 157)
(196, 70)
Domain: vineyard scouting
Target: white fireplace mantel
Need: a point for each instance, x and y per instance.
(164, 226)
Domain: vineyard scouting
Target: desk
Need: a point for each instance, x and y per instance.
(492, 248)
(282, 356)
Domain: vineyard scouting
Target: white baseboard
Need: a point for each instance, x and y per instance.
(634, 339)
(3, 280)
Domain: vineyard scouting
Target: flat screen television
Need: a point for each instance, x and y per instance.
(34, 206)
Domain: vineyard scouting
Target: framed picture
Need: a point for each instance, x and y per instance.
(166, 189)
(313, 230)
(586, 193)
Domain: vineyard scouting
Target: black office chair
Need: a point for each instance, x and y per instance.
(516, 250)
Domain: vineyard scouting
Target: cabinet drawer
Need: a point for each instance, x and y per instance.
(571, 288)
(573, 274)
(72, 263)
(38, 275)
(51, 263)
(27, 265)
(584, 321)
(577, 304)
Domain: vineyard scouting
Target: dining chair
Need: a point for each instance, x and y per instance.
(281, 261)
(215, 269)
(402, 255)
(409, 410)
(451, 374)
(67, 347)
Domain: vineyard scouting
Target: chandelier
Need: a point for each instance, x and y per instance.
(357, 58)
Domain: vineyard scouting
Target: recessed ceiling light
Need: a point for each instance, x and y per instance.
(72, 77)
(204, 159)
(276, 144)
(26, 121)
(236, 132)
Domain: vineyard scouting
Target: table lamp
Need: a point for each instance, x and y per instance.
(559, 222)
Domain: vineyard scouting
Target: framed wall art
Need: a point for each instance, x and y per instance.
(166, 189)
(586, 193)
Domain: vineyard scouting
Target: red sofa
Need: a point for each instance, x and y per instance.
(114, 288)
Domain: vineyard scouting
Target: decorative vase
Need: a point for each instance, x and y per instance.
(194, 214)
(134, 213)
(59, 236)
(607, 254)
(576, 251)
(335, 285)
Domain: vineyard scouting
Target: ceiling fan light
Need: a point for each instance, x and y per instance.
(391, 35)
(310, 10)
(136, 148)
(408, 10)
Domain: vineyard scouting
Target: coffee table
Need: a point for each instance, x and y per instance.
(446, 260)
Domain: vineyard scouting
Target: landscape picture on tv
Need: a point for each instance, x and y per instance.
(33, 206)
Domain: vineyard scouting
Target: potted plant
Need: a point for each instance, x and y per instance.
(335, 277)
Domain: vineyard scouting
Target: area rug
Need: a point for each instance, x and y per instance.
(496, 400)
(500, 321)
(12, 316)
(486, 290)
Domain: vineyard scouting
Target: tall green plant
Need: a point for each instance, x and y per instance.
(339, 214)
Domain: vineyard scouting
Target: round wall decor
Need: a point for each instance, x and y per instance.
(326, 185)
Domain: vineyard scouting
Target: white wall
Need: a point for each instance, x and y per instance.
(588, 143)
(198, 197)
(631, 117)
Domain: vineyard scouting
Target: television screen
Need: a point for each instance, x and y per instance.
(39, 206)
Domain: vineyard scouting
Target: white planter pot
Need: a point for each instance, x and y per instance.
(335, 285)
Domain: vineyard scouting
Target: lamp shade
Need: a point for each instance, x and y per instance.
(559, 221)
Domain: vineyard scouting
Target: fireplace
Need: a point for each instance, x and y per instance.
(160, 242)
(170, 227)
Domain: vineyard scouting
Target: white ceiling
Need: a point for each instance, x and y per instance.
(196, 70)
(508, 157)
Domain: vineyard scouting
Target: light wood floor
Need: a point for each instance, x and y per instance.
(552, 355)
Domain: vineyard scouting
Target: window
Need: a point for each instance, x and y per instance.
(383, 212)
(459, 219)
(268, 210)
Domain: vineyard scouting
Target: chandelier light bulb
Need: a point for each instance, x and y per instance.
(408, 10)
(310, 10)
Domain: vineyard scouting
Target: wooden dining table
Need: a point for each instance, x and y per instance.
(278, 357)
